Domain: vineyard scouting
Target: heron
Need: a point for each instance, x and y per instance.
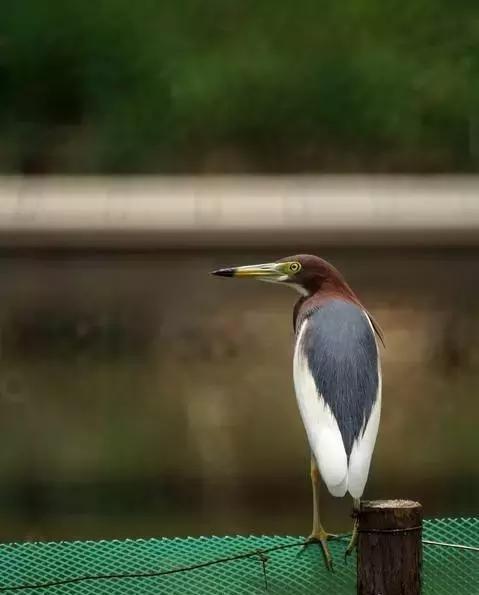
(337, 377)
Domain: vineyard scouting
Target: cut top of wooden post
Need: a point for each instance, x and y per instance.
(390, 515)
(389, 548)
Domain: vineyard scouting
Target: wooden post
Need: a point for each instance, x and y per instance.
(389, 548)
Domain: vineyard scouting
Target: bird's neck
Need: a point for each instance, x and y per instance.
(327, 292)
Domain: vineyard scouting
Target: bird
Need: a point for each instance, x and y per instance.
(337, 378)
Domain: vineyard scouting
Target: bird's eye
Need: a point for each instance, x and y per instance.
(294, 267)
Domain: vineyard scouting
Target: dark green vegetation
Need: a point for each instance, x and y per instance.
(119, 86)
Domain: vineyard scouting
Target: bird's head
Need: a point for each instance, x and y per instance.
(304, 272)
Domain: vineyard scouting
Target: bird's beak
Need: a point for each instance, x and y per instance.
(270, 271)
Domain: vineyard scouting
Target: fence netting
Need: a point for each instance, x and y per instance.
(226, 565)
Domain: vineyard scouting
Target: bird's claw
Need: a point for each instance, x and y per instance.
(349, 550)
(353, 542)
(320, 539)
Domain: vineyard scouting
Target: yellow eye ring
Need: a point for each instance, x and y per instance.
(294, 267)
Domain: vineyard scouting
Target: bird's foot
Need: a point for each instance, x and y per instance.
(321, 538)
(353, 542)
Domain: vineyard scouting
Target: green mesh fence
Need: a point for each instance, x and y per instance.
(200, 566)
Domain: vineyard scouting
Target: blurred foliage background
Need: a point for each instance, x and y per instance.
(137, 395)
(361, 85)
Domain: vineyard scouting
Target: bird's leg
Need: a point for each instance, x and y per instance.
(354, 537)
(318, 534)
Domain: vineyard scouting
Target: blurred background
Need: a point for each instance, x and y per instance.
(143, 145)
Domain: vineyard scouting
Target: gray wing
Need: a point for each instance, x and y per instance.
(342, 355)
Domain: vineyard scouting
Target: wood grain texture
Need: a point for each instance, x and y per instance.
(390, 548)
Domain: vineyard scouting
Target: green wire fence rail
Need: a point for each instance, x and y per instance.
(226, 565)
